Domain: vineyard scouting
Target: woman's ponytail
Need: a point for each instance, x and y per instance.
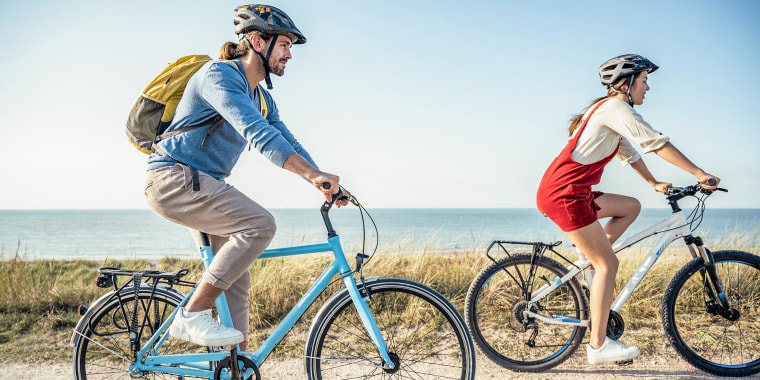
(575, 122)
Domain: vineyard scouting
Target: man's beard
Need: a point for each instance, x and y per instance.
(277, 68)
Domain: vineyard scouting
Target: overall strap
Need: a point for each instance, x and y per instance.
(585, 121)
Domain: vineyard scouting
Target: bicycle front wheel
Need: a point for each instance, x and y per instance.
(426, 336)
(494, 313)
(102, 345)
(725, 344)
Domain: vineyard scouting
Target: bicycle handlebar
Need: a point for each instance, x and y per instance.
(325, 209)
(676, 193)
(339, 196)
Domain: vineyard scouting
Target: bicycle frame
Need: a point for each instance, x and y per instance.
(155, 362)
(671, 228)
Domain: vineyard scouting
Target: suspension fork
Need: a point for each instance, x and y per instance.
(709, 277)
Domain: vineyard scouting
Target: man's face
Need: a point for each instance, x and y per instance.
(280, 55)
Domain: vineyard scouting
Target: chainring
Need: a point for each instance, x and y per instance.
(615, 326)
(246, 364)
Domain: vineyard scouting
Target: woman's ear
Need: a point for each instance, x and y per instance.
(623, 85)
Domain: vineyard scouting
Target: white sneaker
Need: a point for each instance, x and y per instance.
(611, 351)
(203, 329)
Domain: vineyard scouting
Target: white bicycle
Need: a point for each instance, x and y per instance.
(528, 312)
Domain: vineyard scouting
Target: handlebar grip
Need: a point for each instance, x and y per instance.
(326, 185)
(710, 182)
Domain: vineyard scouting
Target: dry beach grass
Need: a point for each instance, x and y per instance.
(38, 301)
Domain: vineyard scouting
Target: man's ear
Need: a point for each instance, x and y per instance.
(258, 43)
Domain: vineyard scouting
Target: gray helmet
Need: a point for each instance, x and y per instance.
(266, 19)
(623, 66)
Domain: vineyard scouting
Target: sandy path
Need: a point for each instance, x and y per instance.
(643, 368)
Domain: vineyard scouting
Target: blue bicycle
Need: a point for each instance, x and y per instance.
(371, 328)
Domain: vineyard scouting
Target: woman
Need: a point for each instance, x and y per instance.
(186, 174)
(604, 131)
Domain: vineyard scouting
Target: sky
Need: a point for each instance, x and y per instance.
(414, 104)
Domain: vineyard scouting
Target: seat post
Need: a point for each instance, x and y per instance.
(205, 240)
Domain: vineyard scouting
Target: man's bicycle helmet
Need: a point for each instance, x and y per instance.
(614, 69)
(267, 20)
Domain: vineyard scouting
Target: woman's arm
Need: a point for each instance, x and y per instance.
(642, 170)
(671, 154)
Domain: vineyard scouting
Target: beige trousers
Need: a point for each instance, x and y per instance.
(239, 229)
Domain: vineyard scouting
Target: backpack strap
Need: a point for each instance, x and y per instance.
(218, 122)
(262, 101)
(194, 171)
(177, 131)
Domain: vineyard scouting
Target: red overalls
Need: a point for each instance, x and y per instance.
(564, 194)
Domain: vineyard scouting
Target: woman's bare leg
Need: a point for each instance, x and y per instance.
(622, 211)
(593, 241)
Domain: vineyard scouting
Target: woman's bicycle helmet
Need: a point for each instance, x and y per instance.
(267, 20)
(624, 66)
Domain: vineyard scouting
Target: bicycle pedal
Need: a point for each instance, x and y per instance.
(624, 362)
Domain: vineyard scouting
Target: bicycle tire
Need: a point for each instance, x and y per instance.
(709, 341)
(92, 361)
(423, 331)
(493, 311)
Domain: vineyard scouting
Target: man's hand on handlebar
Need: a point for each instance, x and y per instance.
(328, 184)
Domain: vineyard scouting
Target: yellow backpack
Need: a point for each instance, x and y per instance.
(154, 109)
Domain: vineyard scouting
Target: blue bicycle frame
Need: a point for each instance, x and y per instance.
(154, 362)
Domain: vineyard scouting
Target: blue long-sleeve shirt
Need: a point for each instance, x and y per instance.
(219, 88)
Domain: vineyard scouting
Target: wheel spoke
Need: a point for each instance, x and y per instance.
(104, 352)
(423, 340)
(494, 311)
(698, 328)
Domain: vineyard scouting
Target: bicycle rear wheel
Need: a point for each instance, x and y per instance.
(102, 346)
(494, 313)
(725, 344)
(426, 336)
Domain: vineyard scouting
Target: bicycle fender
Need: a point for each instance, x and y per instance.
(94, 306)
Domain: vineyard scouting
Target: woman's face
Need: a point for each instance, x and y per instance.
(639, 89)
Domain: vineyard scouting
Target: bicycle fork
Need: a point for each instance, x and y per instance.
(716, 302)
(368, 320)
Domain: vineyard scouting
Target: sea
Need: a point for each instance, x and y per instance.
(132, 234)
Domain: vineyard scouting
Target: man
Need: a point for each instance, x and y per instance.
(186, 174)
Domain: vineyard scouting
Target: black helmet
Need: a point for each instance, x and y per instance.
(266, 19)
(622, 66)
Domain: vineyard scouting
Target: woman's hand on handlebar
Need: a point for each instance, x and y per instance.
(708, 181)
(662, 187)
